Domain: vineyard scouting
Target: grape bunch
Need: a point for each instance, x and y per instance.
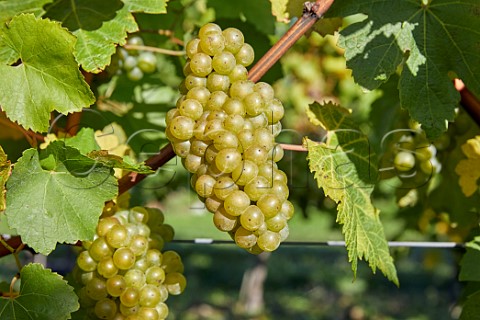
(123, 273)
(135, 63)
(224, 128)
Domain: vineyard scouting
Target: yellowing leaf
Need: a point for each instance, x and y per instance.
(469, 169)
(4, 173)
(279, 10)
(345, 170)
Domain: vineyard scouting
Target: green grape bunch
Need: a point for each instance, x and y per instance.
(123, 273)
(135, 63)
(224, 128)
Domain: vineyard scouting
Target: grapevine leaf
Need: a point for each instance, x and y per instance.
(98, 25)
(279, 10)
(471, 308)
(147, 6)
(469, 265)
(344, 168)
(4, 173)
(48, 188)
(257, 12)
(84, 141)
(10, 8)
(469, 169)
(45, 70)
(114, 161)
(427, 41)
(43, 295)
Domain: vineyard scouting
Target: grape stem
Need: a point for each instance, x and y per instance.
(469, 102)
(154, 49)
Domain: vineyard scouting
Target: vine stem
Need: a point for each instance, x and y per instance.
(154, 49)
(469, 102)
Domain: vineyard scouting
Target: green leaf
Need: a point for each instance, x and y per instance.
(147, 6)
(47, 77)
(84, 141)
(425, 41)
(258, 13)
(43, 295)
(53, 198)
(10, 8)
(4, 173)
(98, 25)
(345, 168)
(114, 161)
(471, 308)
(469, 265)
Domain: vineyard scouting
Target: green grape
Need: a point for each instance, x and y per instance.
(214, 171)
(191, 108)
(216, 100)
(155, 275)
(136, 41)
(224, 221)
(142, 264)
(254, 104)
(258, 122)
(218, 82)
(207, 28)
(267, 170)
(117, 237)
(149, 296)
(225, 139)
(256, 153)
(167, 232)
(246, 138)
(143, 230)
(182, 149)
(106, 268)
(192, 81)
(404, 161)
(234, 39)
(274, 111)
(135, 278)
(181, 127)
(135, 74)
(234, 123)
(240, 89)
(257, 187)
(129, 311)
(245, 55)
(162, 310)
(236, 202)
(265, 90)
(139, 245)
(228, 159)
(198, 147)
(212, 42)
(124, 258)
(270, 204)
(201, 64)
(129, 297)
(276, 153)
(264, 138)
(245, 172)
(269, 241)
(105, 224)
(87, 276)
(116, 285)
(172, 114)
(172, 262)
(147, 62)
(192, 162)
(204, 185)
(223, 187)
(175, 283)
(105, 309)
(238, 73)
(100, 249)
(425, 153)
(224, 62)
(245, 238)
(145, 313)
(213, 203)
(129, 63)
(276, 223)
(216, 115)
(252, 218)
(84, 298)
(201, 94)
(234, 107)
(280, 189)
(86, 262)
(427, 167)
(287, 209)
(96, 289)
(192, 47)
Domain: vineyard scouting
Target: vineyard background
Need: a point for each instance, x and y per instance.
(302, 282)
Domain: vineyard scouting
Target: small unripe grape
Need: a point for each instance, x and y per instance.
(192, 47)
(404, 161)
(105, 309)
(245, 55)
(135, 74)
(147, 62)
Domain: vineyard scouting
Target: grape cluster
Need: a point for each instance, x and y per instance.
(123, 274)
(135, 63)
(224, 128)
